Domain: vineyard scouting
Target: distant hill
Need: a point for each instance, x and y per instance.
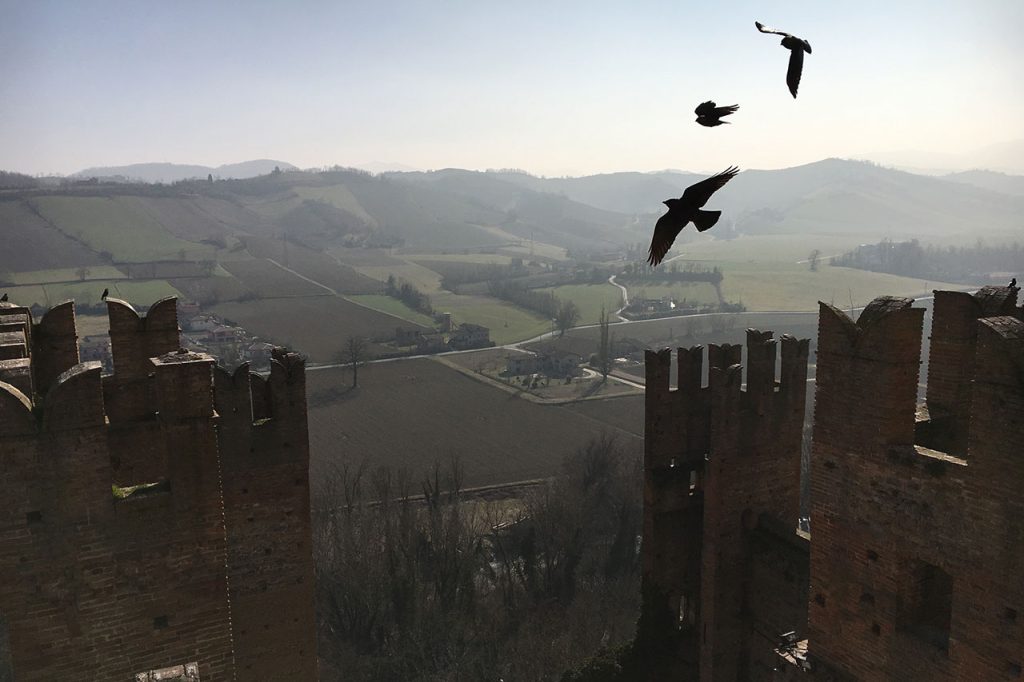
(997, 182)
(1006, 157)
(830, 196)
(172, 172)
(459, 210)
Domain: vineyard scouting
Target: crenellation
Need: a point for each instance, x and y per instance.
(75, 401)
(17, 373)
(16, 417)
(125, 533)
(761, 367)
(698, 512)
(54, 345)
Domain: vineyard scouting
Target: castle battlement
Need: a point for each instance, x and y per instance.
(156, 515)
(917, 549)
(719, 467)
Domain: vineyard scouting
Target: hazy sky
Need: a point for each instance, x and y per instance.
(552, 87)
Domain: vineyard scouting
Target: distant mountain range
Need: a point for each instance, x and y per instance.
(172, 172)
(1005, 157)
(456, 209)
(831, 197)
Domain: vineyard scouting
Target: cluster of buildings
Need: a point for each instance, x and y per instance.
(552, 363)
(465, 336)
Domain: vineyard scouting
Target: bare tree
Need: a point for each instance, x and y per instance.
(82, 273)
(813, 260)
(567, 317)
(353, 354)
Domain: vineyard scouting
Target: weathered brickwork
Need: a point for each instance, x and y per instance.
(722, 466)
(913, 570)
(917, 553)
(121, 550)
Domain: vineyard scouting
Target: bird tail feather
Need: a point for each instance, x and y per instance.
(705, 220)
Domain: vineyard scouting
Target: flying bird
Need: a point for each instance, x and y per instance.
(103, 296)
(685, 209)
(709, 115)
(796, 47)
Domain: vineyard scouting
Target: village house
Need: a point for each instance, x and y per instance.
(468, 336)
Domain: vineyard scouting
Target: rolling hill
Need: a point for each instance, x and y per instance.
(172, 172)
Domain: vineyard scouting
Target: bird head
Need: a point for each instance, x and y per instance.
(670, 202)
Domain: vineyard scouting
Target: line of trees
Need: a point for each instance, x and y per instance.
(416, 581)
(673, 272)
(540, 302)
(408, 294)
(943, 264)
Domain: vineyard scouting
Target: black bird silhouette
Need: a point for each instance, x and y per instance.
(3, 299)
(796, 47)
(684, 209)
(103, 296)
(709, 115)
(1013, 283)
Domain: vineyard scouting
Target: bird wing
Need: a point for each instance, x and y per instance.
(725, 111)
(807, 46)
(766, 29)
(705, 108)
(698, 194)
(665, 232)
(796, 67)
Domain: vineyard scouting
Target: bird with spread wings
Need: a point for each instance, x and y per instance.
(796, 47)
(685, 209)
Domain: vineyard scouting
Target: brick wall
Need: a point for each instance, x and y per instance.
(99, 584)
(718, 460)
(916, 553)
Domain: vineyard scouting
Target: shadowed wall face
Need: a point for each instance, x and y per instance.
(122, 540)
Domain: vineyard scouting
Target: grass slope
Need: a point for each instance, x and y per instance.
(29, 243)
(411, 413)
(117, 226)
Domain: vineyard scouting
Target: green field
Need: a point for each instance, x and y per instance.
(772, 273)
(784, 248)
(392, 306)
(410, 413)
(107, 224)
(589, 298)
(424, 279)
(694, 292)
(507, 322)
(338, 196)
(138, 293)
(781, 286)
(65, 275)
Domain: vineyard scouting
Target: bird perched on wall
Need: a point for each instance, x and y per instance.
(103, 296)
(3, 299)
(685, 209)
(796, 47)
(710, 115)
(1013, 283)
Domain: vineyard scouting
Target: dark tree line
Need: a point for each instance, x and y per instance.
(416, 581)
(970, 264)
(409, 295)
(673, 272)
(540, 302)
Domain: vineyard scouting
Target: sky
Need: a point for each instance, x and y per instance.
(555, 88)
